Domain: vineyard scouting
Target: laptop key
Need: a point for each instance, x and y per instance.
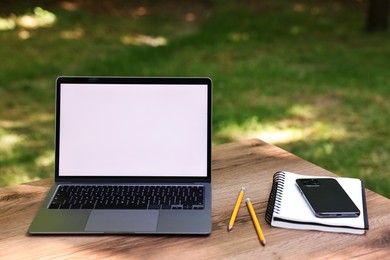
(100, 205)
(88, 205)
(166, 207)
(64, 206)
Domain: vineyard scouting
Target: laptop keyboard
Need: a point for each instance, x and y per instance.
(128, 197)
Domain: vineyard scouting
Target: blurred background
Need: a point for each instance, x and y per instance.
(310, 76)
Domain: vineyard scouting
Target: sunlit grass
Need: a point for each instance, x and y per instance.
(141, 39)
(39, 18)
(45, 160)
(301, 124)
(7, 141)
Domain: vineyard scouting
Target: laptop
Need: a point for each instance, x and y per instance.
(132, 156)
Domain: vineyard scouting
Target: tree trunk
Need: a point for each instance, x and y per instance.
(377, 13)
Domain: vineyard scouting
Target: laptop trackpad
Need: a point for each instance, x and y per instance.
(122, 221)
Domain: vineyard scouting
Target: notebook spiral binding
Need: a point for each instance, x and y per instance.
(275, 196)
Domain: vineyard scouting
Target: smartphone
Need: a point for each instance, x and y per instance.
(327, 199)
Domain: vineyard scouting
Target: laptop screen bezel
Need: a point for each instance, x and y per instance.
(133, 80)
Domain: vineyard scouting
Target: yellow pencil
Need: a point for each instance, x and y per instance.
(235, 210)
(255, 221)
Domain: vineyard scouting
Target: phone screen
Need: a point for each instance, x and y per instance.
(327, 198)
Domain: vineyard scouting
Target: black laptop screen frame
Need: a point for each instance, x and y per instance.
(133, 80)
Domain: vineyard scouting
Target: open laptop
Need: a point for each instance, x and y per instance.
(132, 155)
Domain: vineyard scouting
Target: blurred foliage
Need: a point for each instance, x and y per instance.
(300, 74)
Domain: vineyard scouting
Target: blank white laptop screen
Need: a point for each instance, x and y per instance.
(133, 130)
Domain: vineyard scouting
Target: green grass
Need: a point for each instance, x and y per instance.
(302, 75)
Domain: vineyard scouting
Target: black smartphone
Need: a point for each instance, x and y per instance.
(327, 198)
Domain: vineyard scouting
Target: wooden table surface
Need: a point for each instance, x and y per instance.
(250, 163)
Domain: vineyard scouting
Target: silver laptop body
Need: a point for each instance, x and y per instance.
(130, 131)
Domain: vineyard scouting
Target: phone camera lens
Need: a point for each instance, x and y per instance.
(311, 183)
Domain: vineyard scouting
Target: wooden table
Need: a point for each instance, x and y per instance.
(249, 163)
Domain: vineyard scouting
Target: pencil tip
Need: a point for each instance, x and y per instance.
(230, 227)
(263, 242)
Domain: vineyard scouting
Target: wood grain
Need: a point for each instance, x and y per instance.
(250, 164)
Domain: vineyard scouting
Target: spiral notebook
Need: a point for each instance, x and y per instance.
(288, 209)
